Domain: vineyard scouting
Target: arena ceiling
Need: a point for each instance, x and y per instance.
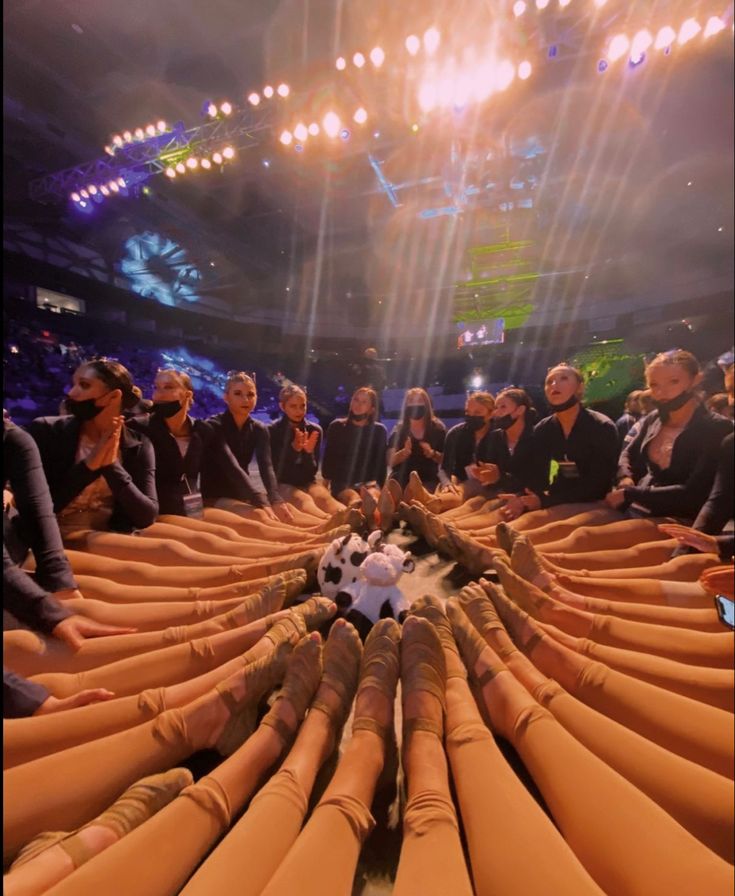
(628, 172)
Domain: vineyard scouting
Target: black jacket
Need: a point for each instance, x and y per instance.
(592, 445)
(252, 439)
(31, 524)
(177, 476)
(525, 468)
(132, 478)
(297, 468)
(682, 488)
(435, 434)
(460, 450)
(354, 455)
(21, 697)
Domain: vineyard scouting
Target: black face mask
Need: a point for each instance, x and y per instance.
(565, 405)
(665, 408)
(357, 418)
(473, 422)
(82, 410)
(166, 409)
(504, 422)
(415, 411)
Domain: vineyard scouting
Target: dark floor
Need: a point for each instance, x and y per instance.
(378, 862)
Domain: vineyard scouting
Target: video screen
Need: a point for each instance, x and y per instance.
(470, 334)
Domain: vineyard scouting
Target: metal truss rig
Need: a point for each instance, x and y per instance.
(137, 162)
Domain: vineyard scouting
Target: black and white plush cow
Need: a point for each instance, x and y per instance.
(340, 564)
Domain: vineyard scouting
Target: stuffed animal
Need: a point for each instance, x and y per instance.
(340, 564)
(375, 594)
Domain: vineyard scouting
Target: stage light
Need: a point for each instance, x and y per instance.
(341, 64)
(268, 92)
(519, 7)
(638, 46)
(91, 189)
(377, 56)
(104, 190)
(331, 124)
(600, 3)
(217, 158)
(127, 136)
(170, 172)
(283, 90)
(344, 134)
(360, 116)
(359, 60)
(714, 26)
(82, 204)
(110, 151)
(181, 168)
(299, 147)
(688, 30)
(114, 186)
(254, 99)
(427, 96)
(505, 75)
(313, 129)
(117, 140)
(226, 108)
(524, 70)
(192, 162)
(431, 40)
(228, 152)
(618, 47)
(75, 197)
(413, 44)
(542, 4)
(206, 164)
(84, 194)
(300, 132)
(665, 37)
(121, 181)
(564, 3)
(414, 128)
(151, 130)
(212, 110)
(161, 125)
(286, 138)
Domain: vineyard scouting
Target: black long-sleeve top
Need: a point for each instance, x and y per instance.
(524, 469)
(32, 523)
(131, 479)
(21, 697)
(461, 450)
(592, 445)
(435, 434)
(251, 439)
(718, 508)
(297, 468)
(178, 476)
(354, 454)
(27, 602)
(683, 487)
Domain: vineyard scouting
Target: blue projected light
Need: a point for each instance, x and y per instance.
(157, 268)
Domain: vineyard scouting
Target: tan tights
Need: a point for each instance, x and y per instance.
(157, 668)
(35, 736)
(634, 846)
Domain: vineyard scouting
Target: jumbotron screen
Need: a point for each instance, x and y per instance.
(472, 333)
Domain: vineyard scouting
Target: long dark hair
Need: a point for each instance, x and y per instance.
(115, 376)
(405, 424)
(520, 397)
